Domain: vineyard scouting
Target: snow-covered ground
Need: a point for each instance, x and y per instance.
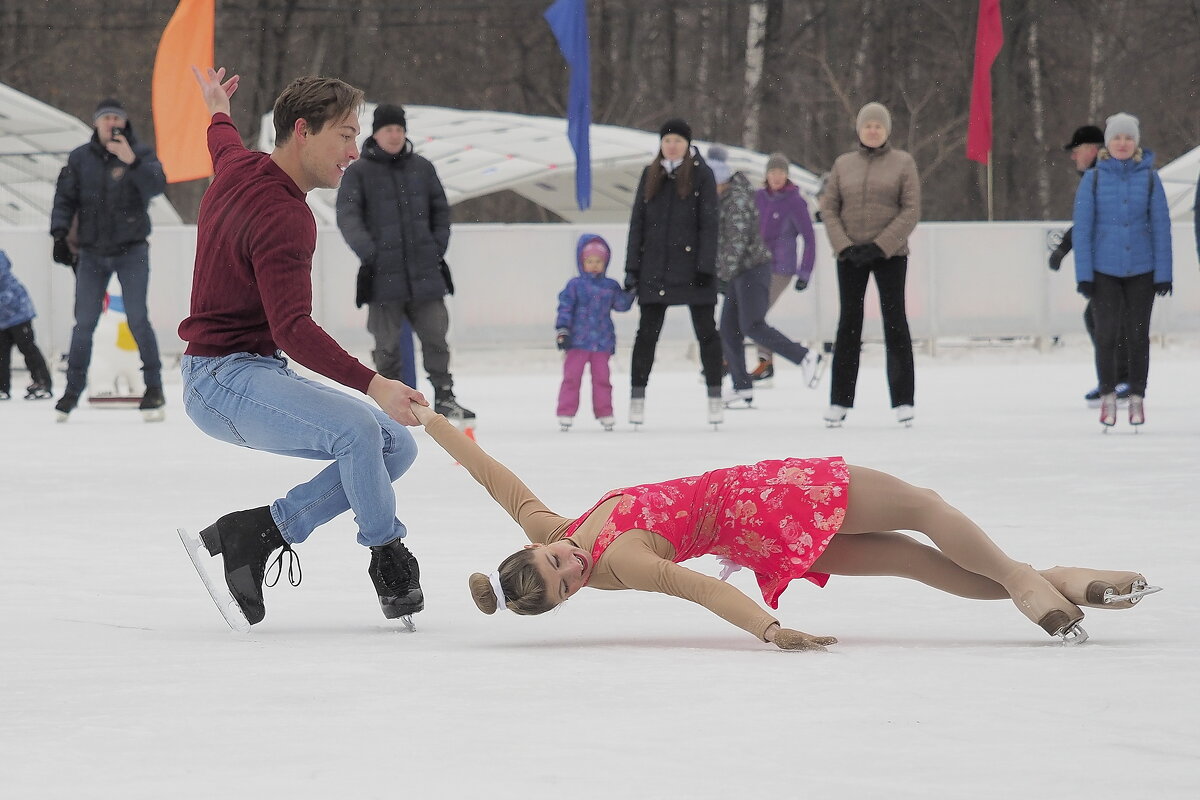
(118, 678)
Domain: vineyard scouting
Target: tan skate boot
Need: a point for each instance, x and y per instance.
(1097, 588)
(1044, 605)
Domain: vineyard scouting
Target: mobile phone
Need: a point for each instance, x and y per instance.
(117, 133)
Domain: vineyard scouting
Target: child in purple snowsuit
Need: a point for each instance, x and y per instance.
(16, 314)
(585, 330)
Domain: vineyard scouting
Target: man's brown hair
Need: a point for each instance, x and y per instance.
(316, 101)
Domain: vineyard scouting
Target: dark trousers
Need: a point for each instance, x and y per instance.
(704, 323)
(22, 336)
(743, 314)
(852, 290)
(1123, 305)
(91, 284)
(1122, 352)
(430, 321)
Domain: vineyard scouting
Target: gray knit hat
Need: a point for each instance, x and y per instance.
(1122, 123)
(874, 112)
(109, 105)
(778, 161)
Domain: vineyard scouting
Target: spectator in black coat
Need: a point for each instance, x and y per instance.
(1084, 148)
(393, 213)
(103, 198)
(671, 259)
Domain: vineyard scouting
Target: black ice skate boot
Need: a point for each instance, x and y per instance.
(65, 405)
(245, 540)
(446, 404)
(1044, 605)
(397, 578)
(1097, 588)
(152, 404)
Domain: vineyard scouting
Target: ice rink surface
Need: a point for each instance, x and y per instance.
(118, 678)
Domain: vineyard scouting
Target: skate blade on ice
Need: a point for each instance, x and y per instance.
(1074, 635)
(1136, 593)
(154, 414)
(217, 589)
(407, 620)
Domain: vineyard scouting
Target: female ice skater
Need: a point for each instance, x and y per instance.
(778, 518)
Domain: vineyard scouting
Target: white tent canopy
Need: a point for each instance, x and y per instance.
(477, 153)
(1179, 179)
(35, 140)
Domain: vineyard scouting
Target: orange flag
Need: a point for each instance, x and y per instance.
(180, 116)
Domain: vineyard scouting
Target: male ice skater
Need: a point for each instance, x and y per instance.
(251, 303)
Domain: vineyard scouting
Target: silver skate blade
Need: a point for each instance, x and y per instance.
(408, 622)
(154, 415)
(217, 590)
(1136, 593)
(1074, 636)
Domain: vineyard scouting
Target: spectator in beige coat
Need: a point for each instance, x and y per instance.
(871, 203)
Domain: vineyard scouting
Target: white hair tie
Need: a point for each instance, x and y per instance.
(498, 590)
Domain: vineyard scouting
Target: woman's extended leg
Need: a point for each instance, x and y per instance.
(895, 554)
(881, 502)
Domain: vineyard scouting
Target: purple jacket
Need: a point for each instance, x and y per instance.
(783, 216)
(586, 303)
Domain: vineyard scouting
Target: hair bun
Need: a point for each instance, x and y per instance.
(481, 592)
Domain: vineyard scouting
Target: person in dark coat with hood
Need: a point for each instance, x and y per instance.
(103, 197)
(671, 259)
(393, 213)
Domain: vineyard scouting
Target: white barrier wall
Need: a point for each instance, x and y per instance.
(965, 280)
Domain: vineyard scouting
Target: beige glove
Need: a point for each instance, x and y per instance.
(788, 639)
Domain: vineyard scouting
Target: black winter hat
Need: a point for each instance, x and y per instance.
(109, 105)
(676, 126)
(1088, 134)
(386, 114)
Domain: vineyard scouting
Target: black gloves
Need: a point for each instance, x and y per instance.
(63, 254)
(444, 268)
(703, 280)
(801, 284)
(1085, 288)
(563, 339)
(1056, 258)
(631, 281)
(1163, 289)
(860, 255)
(364, 285)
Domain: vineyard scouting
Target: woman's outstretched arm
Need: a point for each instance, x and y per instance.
(522, 505)
(636, 565)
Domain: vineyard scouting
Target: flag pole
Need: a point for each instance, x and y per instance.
(989, 185)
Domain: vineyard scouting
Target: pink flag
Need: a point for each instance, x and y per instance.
(989, 37)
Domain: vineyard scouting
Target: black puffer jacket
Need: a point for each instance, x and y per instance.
(671, 239)
(110, 197)
(393, 213)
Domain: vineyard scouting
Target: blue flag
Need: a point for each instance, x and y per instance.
(568, 20)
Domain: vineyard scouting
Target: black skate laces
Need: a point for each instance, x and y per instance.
(294, 573)
(396, 573)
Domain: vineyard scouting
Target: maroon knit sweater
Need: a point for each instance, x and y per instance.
(252, 286)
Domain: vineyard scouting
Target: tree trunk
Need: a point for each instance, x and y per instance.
(1038, 116)
(756, 35)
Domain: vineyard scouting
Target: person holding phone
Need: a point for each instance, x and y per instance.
(103, 196)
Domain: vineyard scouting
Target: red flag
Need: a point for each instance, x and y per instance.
(989, 37)
(180, 115)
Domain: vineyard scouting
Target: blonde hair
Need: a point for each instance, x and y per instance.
(523, 587)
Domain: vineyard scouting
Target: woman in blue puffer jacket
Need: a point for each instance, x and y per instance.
(1122, 240)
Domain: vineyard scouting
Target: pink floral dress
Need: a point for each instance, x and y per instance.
(774, 517)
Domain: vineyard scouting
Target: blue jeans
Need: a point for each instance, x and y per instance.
(91, 282)
(257, 402)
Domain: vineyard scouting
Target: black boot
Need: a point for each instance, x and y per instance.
(397, 579)
(448, 406)
(152, 399)
(246, 540)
